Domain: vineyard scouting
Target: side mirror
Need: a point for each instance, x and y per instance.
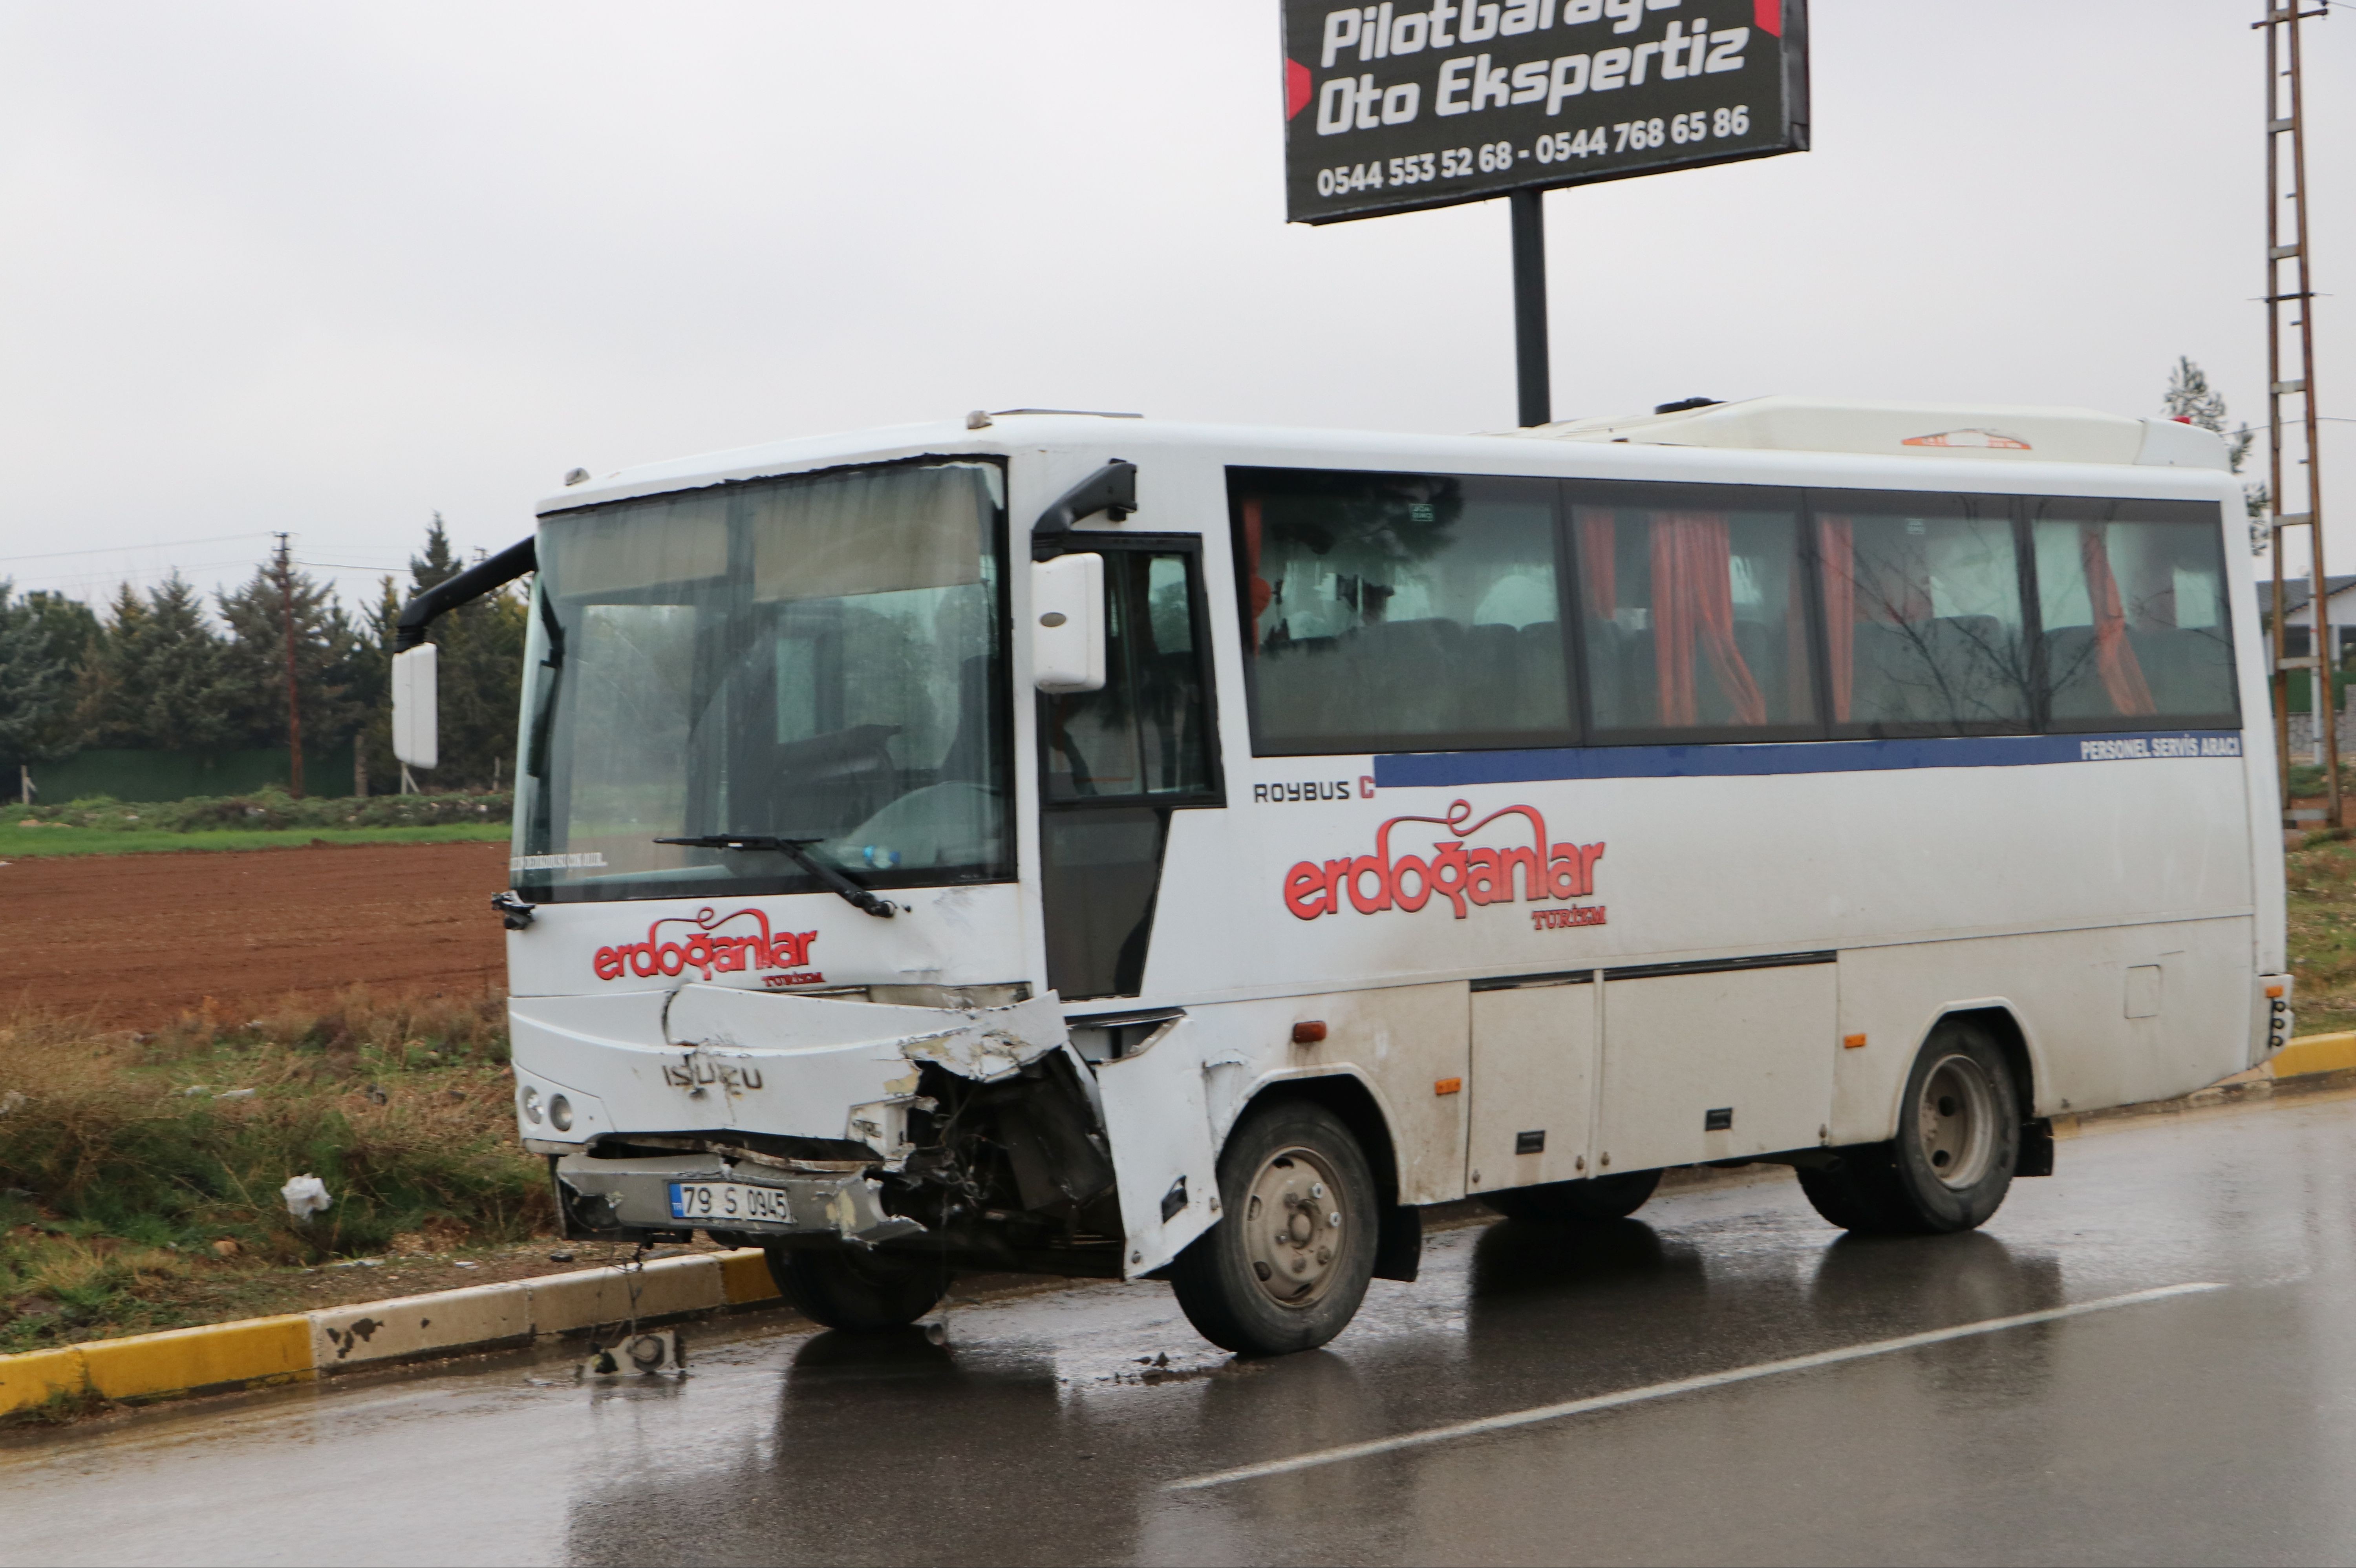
(1067, 626)
(416, 717)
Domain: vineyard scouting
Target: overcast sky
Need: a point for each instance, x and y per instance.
(329, 269)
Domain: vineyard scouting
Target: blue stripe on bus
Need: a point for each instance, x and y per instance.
(1428, 769)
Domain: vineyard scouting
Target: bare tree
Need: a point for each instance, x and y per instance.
(2191, 399)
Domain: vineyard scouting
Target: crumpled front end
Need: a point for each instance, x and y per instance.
(813, 1120)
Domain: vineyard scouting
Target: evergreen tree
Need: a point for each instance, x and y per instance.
(152, 675)
(254, 685)
(372, 688)
(36, 680)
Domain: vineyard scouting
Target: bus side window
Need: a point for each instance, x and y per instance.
(1695, 611)
(2132, 599)
(1924, 633)
(1400, 612)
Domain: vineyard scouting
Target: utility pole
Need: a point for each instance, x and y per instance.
(2287, 235)
(285, 571)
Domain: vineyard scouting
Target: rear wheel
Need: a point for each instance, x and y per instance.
(1952, 1163)
(1594, 1200)
(1288, 1263)
(861, 1291)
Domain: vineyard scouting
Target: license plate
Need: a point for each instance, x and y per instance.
(725, 1200)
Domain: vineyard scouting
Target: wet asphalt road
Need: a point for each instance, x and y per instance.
(2205, 1427)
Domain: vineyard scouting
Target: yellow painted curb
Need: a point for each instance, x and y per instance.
(259, 1350)
(38, 1376)
(667, 1287)
(745, 1277)
(2316, 1053)
(408, 1326)
(303, 1346)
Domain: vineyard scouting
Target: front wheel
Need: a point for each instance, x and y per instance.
(859, 1291)
(1288, 1263)
(1958, 1147)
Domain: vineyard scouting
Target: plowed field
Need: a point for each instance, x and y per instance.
(132, 941)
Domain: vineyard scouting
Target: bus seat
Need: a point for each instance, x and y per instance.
(1980, 673)
(1404, 676)
(1490, 676)
(1293, 683)
(1887, 678)
(2188, 669)
(1542, 694)
(2076, 680)
(1637, 703)
(1603, 652)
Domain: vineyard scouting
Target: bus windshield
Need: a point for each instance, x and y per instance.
(814, 658)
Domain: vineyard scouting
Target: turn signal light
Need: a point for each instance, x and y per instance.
(1852, 1042)
(1449, 1086)
(2274, 993)
(1308, 1031)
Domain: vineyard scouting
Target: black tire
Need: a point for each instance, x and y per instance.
(1296, 1162)
(1596, 1201)
(1958, 1147)
(843, 1287)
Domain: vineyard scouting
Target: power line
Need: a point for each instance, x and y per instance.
(125, 549)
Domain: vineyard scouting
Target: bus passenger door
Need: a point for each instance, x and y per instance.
(1721, 1064)
(1115, 763)
(1533, 1085)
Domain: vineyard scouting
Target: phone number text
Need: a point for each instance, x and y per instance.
(1561, 147)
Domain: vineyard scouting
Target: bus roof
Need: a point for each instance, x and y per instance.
(1988, 433)
(1761, 441)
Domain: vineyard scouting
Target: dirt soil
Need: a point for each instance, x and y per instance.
(133, 940)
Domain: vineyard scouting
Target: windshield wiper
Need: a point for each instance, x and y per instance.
(836, 882)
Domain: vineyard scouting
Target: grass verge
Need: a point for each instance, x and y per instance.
(140, 1174)
(2321, 881)
(267, 820)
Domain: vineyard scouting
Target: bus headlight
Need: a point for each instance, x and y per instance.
(559, 1113)
(531, 1106)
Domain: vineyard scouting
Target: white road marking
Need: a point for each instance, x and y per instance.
(1543, 1413)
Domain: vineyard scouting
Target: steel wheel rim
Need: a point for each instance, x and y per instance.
(1296, 1228)
(1956, 1122)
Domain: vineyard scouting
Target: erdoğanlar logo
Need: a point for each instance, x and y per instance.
(706, 949)
(1479, 875)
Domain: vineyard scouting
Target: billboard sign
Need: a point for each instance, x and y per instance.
(1389, 109)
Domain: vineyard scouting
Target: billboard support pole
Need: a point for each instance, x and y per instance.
(1530, 307)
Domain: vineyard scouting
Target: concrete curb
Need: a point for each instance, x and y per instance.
(2315, 1053)
(304, 1345)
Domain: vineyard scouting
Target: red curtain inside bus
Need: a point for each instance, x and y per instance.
(2115, 657)
(1262, 592)
(1596, 564)
(1692, 602)
(1840, 611)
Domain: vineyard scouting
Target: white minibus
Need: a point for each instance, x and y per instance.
(1078, 844)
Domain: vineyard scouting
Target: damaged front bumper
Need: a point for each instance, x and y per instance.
(635, 1197)
(976, 1132)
